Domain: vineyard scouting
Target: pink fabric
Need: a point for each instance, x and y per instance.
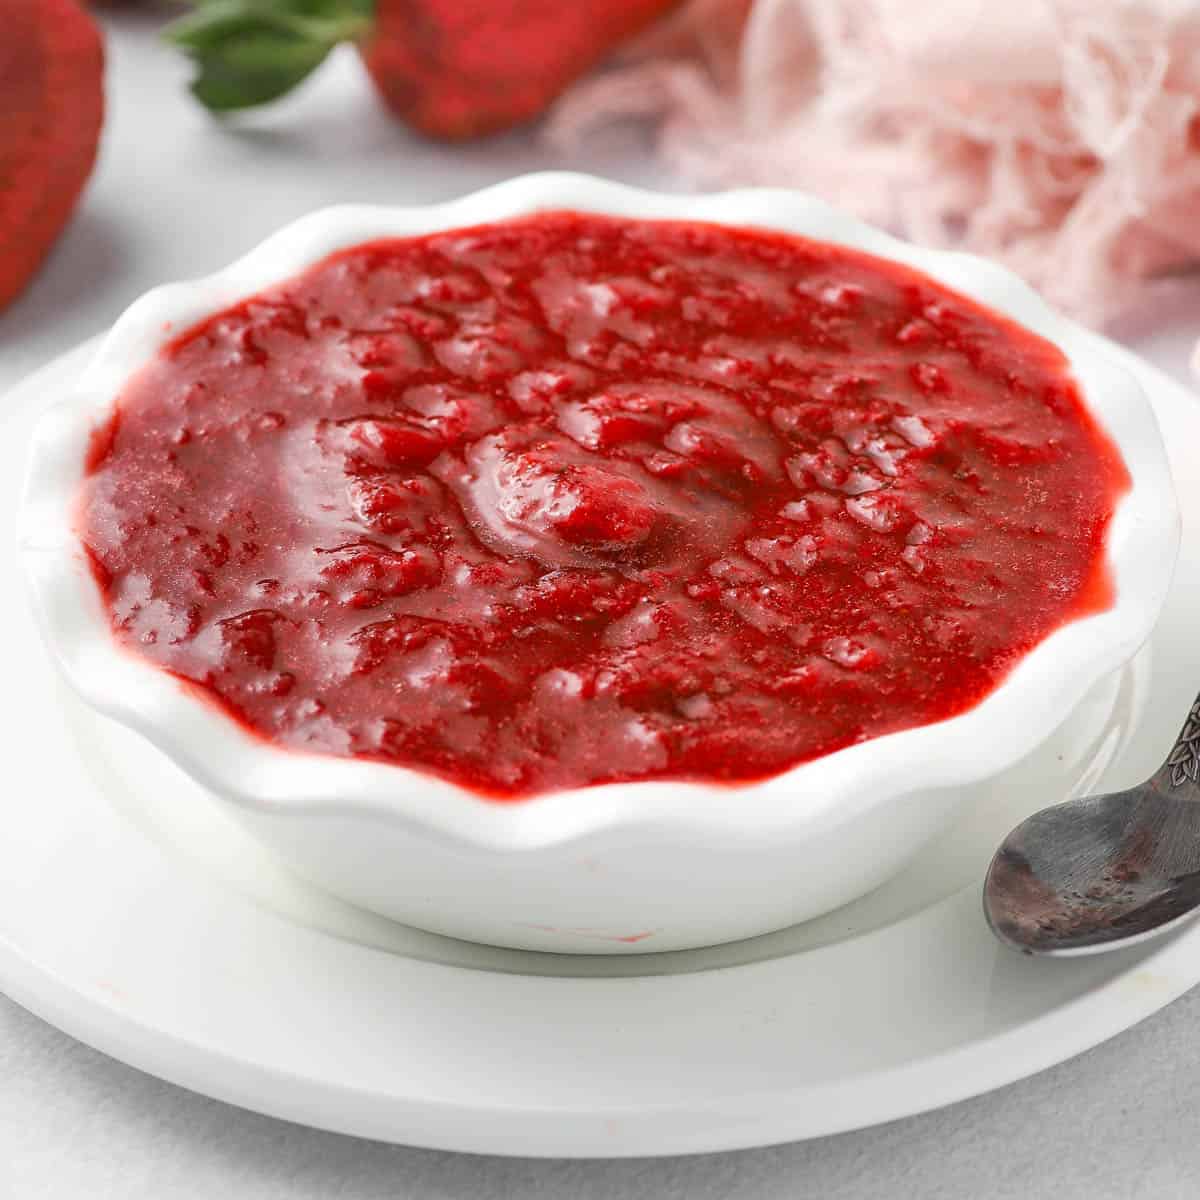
(1061, 137)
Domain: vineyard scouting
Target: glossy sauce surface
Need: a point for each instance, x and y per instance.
(571, 499)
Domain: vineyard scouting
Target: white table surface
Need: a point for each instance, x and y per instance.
(176, 195)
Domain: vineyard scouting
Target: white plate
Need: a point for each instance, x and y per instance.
(137, 918)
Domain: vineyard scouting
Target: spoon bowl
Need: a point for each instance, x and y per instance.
(1103, 872)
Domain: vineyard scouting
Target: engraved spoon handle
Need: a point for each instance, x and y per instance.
(1182, 768)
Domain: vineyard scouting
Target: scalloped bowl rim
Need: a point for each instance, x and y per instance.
(1048, 682)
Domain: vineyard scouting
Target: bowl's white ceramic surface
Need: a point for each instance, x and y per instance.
(619, 867)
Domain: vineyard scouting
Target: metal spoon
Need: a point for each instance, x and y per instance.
(1103, 872)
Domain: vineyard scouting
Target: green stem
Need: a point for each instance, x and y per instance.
(249, 52)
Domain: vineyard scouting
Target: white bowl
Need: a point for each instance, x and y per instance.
(617, 867)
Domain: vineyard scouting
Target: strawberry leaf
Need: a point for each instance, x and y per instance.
(249, 52)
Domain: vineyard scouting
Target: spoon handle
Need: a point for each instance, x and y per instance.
(1182, 768)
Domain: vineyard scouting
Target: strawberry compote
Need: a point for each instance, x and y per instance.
(571, 499)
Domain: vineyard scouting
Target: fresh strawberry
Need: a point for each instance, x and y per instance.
(460, 68)
(451, 68)
(51, 110)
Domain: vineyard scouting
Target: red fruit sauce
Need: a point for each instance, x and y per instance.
(571, 499)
